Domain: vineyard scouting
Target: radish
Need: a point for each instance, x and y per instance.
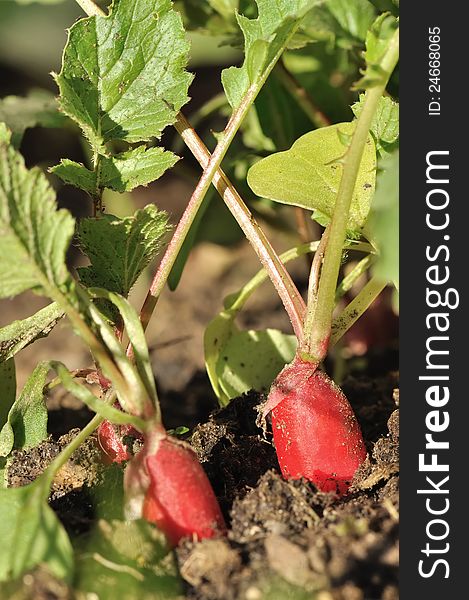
(316, 433)
(110, 439)
(166, 485)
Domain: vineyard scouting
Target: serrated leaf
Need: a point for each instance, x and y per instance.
(385, 124)
(19, 334)
(119, 249)
(31, 230)
(123, 75)
(26, 426)
(138, 166)
(7, 389)
(19, 113)
(76, 174)
(32, 534)
(377, 42)
(383, 223)
(126, 560)
(121, 173)
(264, 40)
(309, 174)
(251, 360)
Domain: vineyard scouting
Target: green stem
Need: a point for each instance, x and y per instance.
(353, 311)
(348, 281)
(237, 300)
(96, 347)
(318, 320)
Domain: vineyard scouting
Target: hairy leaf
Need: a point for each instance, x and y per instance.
(123, 75)
(309, 174)
(265, 38)
(385, 124)
(32, 534)
(19, 334)
(37, 108)
(76, 174)
(384, 219)
(26, 426)
(251, 360)
(119, 249)
(121, 173)
(31, 229)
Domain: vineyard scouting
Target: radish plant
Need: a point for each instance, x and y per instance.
(123, 81)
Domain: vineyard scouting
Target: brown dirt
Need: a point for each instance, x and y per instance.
(286, 539)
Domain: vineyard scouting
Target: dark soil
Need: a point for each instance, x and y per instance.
(285, 539)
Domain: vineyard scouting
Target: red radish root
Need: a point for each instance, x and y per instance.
(316, 433)
(166, 485)
(111, 441)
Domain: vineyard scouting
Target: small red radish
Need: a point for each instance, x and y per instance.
(110, 439)
(316, 433)
(166, 485)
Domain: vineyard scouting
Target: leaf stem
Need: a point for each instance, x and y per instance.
(280, 277)
(90, 8)
(354, 310)
(298, 92)
(237, 300)
(318, 320)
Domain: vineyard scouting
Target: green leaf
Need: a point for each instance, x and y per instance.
(309, 174)
(121, 173)
(377, 42)
(19, 334)
(265, 38)
(251, 360)
(26, 426)
(126, 560)
(90, 400)
(5, 134)
(123, 75)
(385, 124)
(383, 223)
(32, 535)
(339, 21)
(139, 166)
(119, 249)
(8, 389)
(218, 332)
(37, 108)
(31, 230)
(76, 174)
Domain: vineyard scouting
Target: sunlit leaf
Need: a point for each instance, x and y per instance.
(309, 174)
